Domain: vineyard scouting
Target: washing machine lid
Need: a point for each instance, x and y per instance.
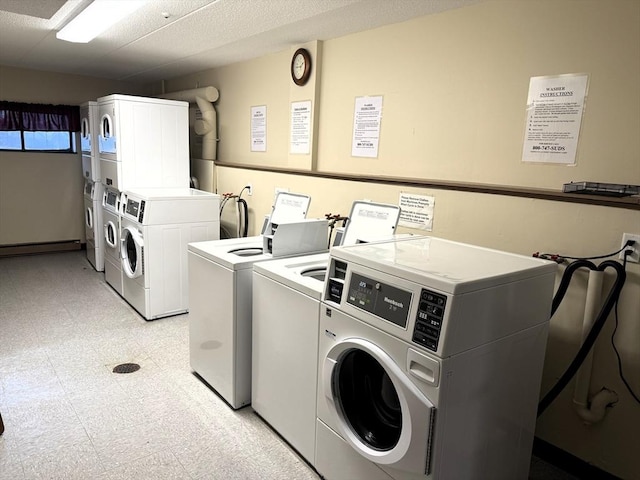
(289, 207)
(368, 220)
(232, 253)
(304, 274)
(449, 266)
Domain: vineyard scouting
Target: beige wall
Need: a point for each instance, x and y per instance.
(41, 194)
(455, 86)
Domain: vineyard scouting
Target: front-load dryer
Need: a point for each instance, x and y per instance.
(111, 238)
(143, 142)
(157, 225)
(93, 224)
(430, 360)
(286, 306)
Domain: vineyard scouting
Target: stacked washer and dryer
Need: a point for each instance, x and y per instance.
(143, 147)
(429, 361)
(93, 188)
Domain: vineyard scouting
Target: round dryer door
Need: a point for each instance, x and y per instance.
(107, 139)
(110, 234)
(132, 252)
(379, 411)
(88, 217)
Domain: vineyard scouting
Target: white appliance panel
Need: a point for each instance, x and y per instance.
(214, 341)
(284, 361)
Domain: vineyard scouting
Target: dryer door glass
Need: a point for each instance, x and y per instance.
(132, 253)
(107, 139)
(89, 217)
(110, 234)
(368, 400)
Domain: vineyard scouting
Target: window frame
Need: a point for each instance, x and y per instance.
(40, 118)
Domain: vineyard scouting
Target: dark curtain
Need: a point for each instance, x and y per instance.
(34, 117)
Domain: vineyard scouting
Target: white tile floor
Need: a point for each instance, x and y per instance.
(62, 330)
(67, 416)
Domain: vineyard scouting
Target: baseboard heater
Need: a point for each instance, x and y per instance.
(36, 248)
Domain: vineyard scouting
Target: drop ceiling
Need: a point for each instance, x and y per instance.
(169, 38)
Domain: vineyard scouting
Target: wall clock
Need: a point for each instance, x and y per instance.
(301, 66)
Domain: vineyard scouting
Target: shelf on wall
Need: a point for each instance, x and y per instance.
(630, 203)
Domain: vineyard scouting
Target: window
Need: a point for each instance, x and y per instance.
(38, 127)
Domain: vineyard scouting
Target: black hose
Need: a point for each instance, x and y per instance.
(244, 213)
(588, 343)
(566, 280)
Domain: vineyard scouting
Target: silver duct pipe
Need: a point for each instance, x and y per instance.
(207, 126)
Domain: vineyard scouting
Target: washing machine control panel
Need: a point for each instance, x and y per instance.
(429, 319)
(385, 301)
(135, 209)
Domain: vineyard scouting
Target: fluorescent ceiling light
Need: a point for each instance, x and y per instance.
(96, 18)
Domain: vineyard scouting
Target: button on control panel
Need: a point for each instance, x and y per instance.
(429, 319)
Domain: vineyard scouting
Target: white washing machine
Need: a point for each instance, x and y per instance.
(285, 341)
(143, 142)
(220, 285)
(88, 141)
(430, 360)
(93, 224)
(111, 217)
(157, 225)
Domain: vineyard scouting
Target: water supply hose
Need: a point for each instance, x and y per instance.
(599, 322)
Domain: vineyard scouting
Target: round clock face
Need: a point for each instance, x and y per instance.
(300, 66)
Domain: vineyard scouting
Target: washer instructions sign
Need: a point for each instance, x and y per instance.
(416, 211)
(554, 114)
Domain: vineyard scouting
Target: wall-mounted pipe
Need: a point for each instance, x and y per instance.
(591, 411)
(207, 125)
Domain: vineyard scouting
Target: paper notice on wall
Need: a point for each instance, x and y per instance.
(554, 114)
(259, 128)
(416, 211)
(366, 127)
(300, 138)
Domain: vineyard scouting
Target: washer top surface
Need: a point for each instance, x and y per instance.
(450, 266)
(134, 98)
(168, 193)
(304, 274)
(233, 253)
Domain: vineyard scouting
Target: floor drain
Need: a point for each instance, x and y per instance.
(126, 368)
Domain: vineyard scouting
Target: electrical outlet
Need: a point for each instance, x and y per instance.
(635, 256)
(249, 188)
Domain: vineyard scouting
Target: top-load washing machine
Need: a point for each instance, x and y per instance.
(286, 309)
(143, 142)
(220, 284)
(430, 361)
(93, 224)
(157, 226)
